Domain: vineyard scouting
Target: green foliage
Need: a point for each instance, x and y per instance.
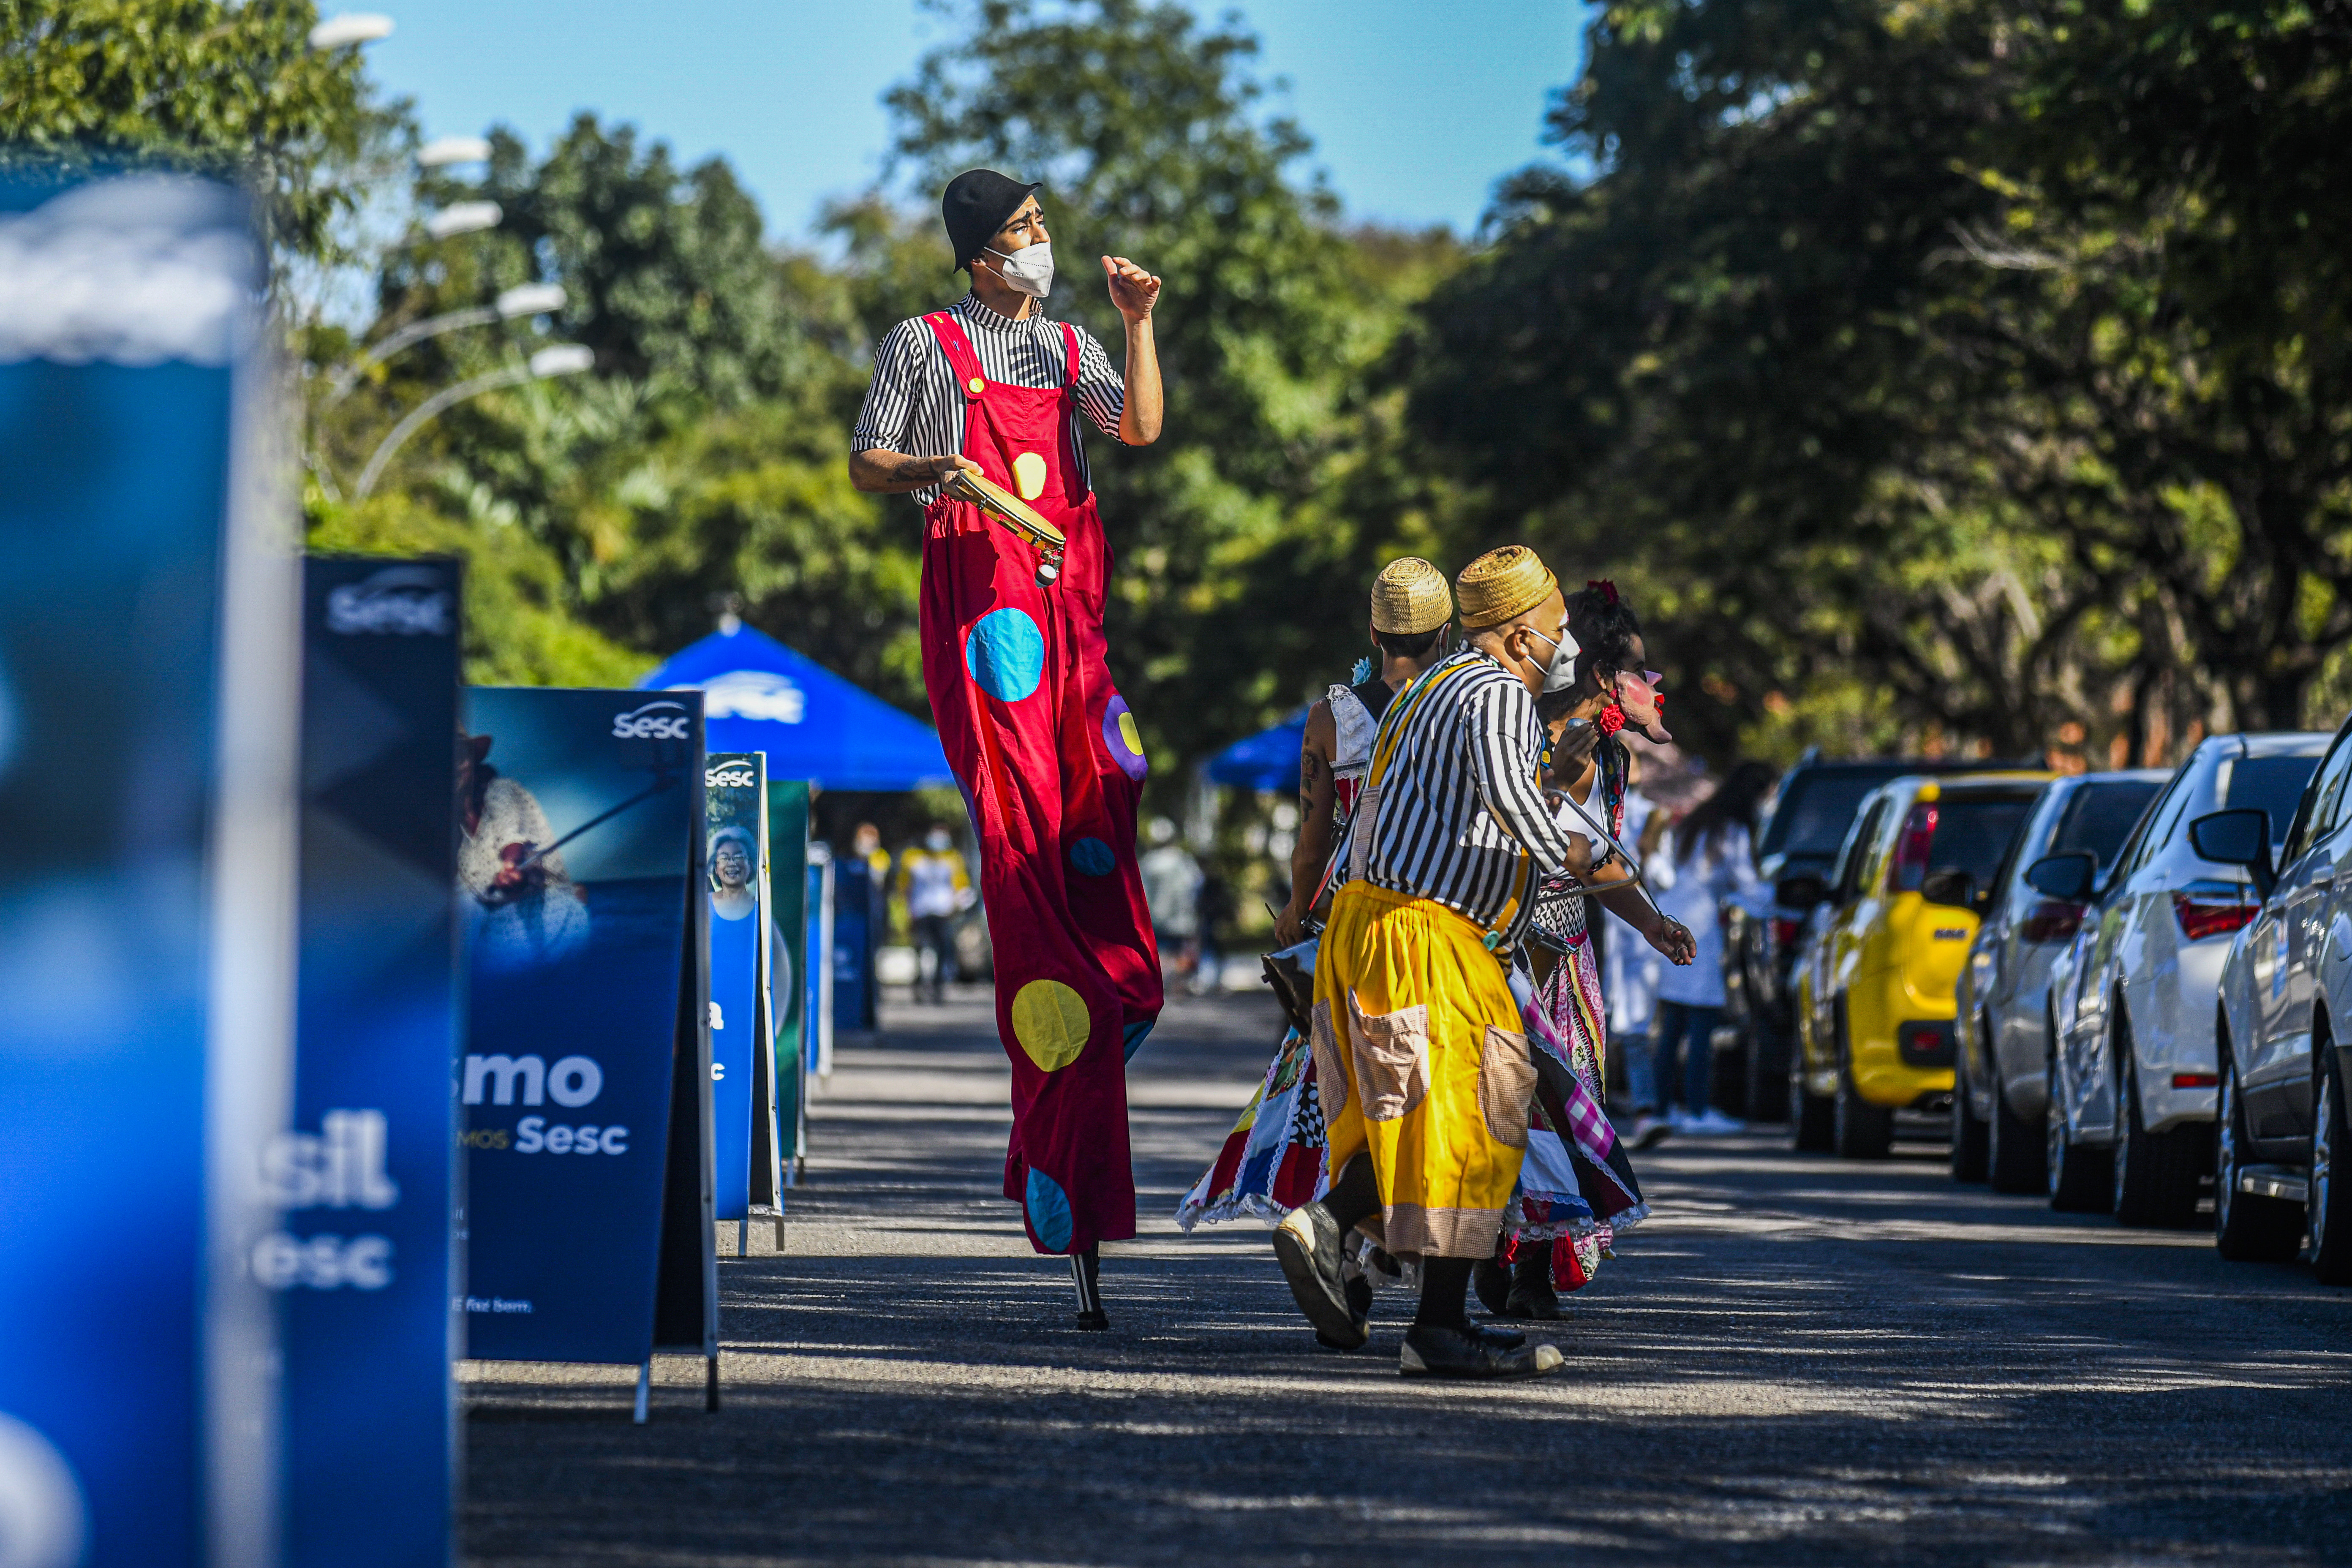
(1990, 357)
(202, 86)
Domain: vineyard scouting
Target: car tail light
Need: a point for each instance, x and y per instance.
(1927, 1044)
(1784, 933)
(1910, 867)
(2052, 919)
(2196, 1080)
(2201, 918)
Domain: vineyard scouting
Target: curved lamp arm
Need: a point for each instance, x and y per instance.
(564, 359)
(523, 300)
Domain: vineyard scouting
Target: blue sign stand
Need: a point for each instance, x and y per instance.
(148, 655)
(364, 1177)
(735, 790)
(585, 1086)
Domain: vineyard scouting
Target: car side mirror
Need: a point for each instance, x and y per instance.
(2240, 838)
(2066, 878)
(1799, 892)
(1950, 886)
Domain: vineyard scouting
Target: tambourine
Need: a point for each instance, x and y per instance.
(995, 500)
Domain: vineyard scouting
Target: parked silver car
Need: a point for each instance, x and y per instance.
(2130, 1096)
(2004, 1005)
(2284, 1027)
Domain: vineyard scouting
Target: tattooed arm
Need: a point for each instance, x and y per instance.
(1316, 793)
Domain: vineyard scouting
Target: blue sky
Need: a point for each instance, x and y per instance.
(1416, 109)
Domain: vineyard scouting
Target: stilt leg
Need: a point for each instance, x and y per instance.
(644, 1387)
(1086, 1269)
(710, 1385)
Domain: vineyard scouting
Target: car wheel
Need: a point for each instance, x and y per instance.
(2246, 1228)
(1767, 1081)
(2331, 1145)
(2155, 1172)
(1970, 1142)
(1860, 1131)
(1728, 1063)
(2017, 1154)
(1811, 1121)
(2080, 1179)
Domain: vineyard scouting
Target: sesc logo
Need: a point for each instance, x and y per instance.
(730, 775)
(400, 601)
(662, 721)
(755, 694)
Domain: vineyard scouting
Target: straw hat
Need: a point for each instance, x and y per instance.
(1502, 585)
(1409, 597)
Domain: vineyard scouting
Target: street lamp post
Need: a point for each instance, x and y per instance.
(563, 359)
(522, 299)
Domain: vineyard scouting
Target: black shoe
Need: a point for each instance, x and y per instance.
(1306, 1245)
(1532, 1296)
(1503, 1338)
(1359, 1307)
(1097, 1319)
(1460, 1352)
(1491, 1281)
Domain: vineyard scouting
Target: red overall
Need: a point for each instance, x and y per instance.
(1052, 769)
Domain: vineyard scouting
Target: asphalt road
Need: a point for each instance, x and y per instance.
(1797, 1361)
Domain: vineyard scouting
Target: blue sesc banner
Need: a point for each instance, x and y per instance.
(363, 1176)
(148, 654)
(735, 800)
(580, 819)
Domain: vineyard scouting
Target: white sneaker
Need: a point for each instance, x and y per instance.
(1714, 1120)
(1679, 1119)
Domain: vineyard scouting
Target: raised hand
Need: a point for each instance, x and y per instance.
(1132, 289)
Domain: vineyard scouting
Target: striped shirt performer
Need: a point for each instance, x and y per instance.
(1425, 1071)
(1043, 744)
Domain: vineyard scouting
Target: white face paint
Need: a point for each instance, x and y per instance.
(1030, 269)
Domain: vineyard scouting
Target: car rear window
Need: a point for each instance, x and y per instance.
(2268, 783)
(1818, 809)
(1973, 833)
(2099, 818)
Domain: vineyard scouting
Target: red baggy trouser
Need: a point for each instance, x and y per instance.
(1051, 771)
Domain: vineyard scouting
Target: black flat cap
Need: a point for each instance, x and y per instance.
(977, 203)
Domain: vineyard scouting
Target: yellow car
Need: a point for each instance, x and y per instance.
(1883, 948)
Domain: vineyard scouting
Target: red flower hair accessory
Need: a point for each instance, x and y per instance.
(1608, 590)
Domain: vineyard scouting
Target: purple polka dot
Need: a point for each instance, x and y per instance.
(1126, 745)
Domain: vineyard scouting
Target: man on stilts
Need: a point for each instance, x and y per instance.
(1045, 748)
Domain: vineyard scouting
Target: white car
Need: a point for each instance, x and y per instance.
(2281, 1134)
(2131, 1081)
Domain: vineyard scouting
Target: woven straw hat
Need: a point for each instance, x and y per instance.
(1501, 585)
(1409, 597)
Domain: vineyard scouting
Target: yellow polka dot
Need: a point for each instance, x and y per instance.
(1050, 1022)
(977, 386)
(1128, 732)
(1029, 474)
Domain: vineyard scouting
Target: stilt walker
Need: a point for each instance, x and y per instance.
(1014, 576)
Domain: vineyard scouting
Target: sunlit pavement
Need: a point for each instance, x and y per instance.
(1798, 1361)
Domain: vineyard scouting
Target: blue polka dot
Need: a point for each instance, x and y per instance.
(1093, 857)
(1049, 1211)
(1006, 654)
(1134, 1034)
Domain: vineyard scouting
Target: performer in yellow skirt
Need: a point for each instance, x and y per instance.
(1428, 1074)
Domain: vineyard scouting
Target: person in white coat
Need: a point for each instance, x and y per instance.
(1707, 861)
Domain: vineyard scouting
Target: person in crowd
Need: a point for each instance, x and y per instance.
(1016, 662)
(1426, 1073)
(1412, 609)
(1172, 887)
(1708, 860)
(1557, 1229)
(1213, 911)
(865, 848)
(937, 890)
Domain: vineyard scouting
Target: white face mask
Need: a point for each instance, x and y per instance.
(1029, 271)
(1560, 673)
(936, 839)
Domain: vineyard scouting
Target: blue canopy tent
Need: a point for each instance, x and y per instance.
(761, 696)
(1265, 761)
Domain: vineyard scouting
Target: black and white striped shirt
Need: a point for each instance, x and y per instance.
(915, 407)
(1462, 795)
